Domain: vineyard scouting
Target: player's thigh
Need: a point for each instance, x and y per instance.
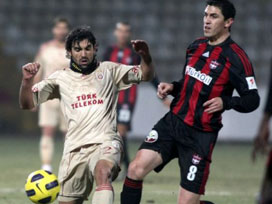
(74, 175)
(195, 159)
(108, 154)
(187, 197)
(145, 161)
(49, 114)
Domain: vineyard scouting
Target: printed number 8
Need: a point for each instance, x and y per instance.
(192, 172)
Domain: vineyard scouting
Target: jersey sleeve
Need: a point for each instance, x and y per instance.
(46, 90)
(126, 75)
(242, 78)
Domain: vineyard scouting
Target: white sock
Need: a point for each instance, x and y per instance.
(46, 151)
(47, 167)
(103, 194)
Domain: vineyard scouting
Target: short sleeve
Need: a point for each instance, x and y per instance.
(126, 75)
(46, 90)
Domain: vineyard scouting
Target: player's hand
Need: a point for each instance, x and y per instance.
(164, 89)
(213, 105)
(261, 142)
(30, 70)
(141, 47)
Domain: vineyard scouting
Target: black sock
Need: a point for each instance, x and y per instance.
(132, 191)
(205, 202)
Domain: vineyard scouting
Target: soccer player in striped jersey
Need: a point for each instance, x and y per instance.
(123, 52)
(215, 66)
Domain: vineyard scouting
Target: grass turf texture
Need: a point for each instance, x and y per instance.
(233, 179)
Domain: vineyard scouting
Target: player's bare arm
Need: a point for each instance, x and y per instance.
(261, 144)
(164, 89)
(213, 105)
(25, 97)
(142, 49)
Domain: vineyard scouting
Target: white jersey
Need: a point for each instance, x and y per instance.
(88, 102)
(52, 58)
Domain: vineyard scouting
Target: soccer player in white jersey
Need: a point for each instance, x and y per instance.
(52, 57)
(88, 93)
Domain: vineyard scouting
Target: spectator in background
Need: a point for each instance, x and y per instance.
(122, 52)
(52, 57)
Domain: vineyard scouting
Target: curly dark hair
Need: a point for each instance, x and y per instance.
(79, 34)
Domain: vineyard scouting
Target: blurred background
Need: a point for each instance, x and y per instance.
(169, 27)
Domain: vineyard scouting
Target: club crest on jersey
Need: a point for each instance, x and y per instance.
(196, 159)
(99, 75)
(214, 64)
(152, 136)
(204, 78)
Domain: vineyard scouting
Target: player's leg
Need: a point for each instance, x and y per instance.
(105, 166)
(123, 130)
(145, 161)
(266, 190)
(48, 120)
(103, 177)
(47, 147)
(75, 177)
(195, 150)
(155, 152)
(124, 116)
(187, 197)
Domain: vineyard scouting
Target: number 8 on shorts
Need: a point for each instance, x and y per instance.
(192, 171)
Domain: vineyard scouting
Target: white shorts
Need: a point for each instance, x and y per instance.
(50, 115)
(76, 171)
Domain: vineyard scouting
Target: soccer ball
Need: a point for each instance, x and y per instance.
(42, 187)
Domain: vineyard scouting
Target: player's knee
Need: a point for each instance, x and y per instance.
(102, 174)
(136, 171)
(186, 197)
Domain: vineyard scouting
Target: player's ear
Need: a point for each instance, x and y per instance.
(229, 22)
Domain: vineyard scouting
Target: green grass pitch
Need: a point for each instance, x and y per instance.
(233, 179)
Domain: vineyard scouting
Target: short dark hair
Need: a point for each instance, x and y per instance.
(58, 20)
(79, 34)
(227, 8)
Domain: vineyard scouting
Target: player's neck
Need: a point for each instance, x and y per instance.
(122, 45)
(59, 43)
(216, 40)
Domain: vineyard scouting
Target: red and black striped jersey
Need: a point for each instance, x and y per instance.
(129, 57)
(209, 72)
(125, 56)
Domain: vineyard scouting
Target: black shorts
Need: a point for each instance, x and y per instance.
(124, 114)
(172, 138)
